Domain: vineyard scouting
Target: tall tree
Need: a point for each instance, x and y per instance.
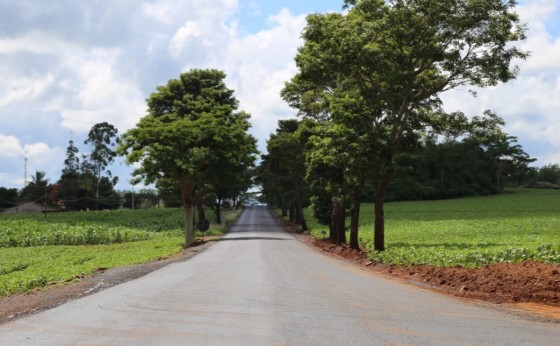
(69, 180)
(400, 55)
(286, 169)
(103, 138)
(192, 125)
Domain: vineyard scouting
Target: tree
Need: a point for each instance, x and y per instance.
(8, 198)
(103, 138)
(399, 56)
(192, 125)
(284, 170)
(239, 165)
(69, 179)
(339, 160)
(507, 156)
(550, 173)
(37, 189)
(458, 157)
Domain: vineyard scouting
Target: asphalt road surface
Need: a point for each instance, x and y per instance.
(260, 286)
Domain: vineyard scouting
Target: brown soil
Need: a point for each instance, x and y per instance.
(530, 285)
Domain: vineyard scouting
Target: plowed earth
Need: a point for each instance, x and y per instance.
(530, 285)
(529, 281)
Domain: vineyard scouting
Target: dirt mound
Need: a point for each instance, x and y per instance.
(527, 282)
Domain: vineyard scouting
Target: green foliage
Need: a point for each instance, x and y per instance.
(81, 186)
(91, 228)
(36, 233)
(550, 174)
(523, 224)
(386, 62)
(282, 171)
(37, 251)
(22, 269)
(192, 131)
(8, 198)
(37, 189)
(481, 163)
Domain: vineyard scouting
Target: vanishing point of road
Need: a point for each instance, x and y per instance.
(260, 286)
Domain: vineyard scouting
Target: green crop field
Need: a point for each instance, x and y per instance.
(36, 251)
(523, 224)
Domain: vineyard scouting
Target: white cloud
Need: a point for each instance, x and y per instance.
(94, 91)
(36, 42)
(40, 157)
(37, 149)
(530, 103)
(258, 65)
(67, 65)
(24, 90)
(10, 146)
(160, 11)
(191, 30)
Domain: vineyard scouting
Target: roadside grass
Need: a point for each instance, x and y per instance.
(36, 251)
(523, 224)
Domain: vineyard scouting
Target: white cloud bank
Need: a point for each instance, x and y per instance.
(66, 65)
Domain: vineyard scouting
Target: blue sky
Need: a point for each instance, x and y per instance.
(66, 65)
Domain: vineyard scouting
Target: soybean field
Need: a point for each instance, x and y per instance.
(38, 250)
(521, 224)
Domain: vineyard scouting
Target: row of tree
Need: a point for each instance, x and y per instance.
(193, 144)
(368, 86)
(81, 185)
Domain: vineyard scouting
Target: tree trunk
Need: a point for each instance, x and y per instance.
(187, 188)
(342, 224)
(97, 190)
(189, 224)
(291, 213)
(299, 217)
(334, 222)
(201, 213)
(355, 218)
(337, 223)
(219, 211)
(379, 231)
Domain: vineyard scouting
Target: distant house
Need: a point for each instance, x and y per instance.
(31, 207)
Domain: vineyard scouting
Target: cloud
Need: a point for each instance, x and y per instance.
(40, 157)
(24, 90)
(529, 103)
(10, 146)
(94, 91)
(66, 65)
(258, 65)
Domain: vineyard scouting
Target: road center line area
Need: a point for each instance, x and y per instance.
(258, 285)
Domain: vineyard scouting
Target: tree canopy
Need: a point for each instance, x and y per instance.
(391, 60)
(192, 130)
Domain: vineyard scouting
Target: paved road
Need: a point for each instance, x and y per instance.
(260, 286)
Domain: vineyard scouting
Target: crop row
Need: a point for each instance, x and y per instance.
(521, 225)
(22, 269)
(28, 233)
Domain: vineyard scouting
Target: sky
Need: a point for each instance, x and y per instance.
(66, 65)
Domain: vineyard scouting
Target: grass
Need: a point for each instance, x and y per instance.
(36, 251)
(523, 224)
